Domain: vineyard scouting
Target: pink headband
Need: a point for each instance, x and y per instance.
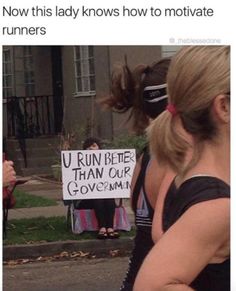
(171, 108)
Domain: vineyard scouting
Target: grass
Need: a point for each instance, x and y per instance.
(25, 200)
(42, 229)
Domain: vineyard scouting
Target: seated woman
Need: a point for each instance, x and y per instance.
(104, 208)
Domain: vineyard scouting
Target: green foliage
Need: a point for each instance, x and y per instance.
(137, 142)
(25, 200)
(42, 229)
(72, 139)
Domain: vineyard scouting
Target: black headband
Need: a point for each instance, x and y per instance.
(152, 94)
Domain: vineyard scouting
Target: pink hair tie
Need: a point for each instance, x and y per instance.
(171, 108)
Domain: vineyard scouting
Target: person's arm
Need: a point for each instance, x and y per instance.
(186, 248)
(166, 179)
(136, 171)
(9, 174)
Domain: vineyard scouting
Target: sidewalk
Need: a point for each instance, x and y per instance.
(41, 188)
(53, 190)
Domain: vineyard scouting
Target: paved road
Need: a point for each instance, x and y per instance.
(80, 275)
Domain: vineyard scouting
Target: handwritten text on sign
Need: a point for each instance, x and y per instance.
(97, 173)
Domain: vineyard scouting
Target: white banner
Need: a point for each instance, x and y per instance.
(92, 174)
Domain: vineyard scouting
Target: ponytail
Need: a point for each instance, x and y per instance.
(166, 143)
(125, 95)
(127, 92)
(122, 90)
(191, 91)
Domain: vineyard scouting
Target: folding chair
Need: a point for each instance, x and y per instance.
(85, 219)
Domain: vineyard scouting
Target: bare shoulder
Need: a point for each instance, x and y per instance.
(207, 223)
(217, 209)
(136, 172)
(197, 238)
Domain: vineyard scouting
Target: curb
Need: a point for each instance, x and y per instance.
(96, 247)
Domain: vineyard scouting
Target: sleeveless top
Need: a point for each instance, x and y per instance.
(143, 221)
(144, 211)
(214, 277)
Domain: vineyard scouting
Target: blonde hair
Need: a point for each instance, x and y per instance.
(197, 74)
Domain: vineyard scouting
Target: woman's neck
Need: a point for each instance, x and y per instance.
(214, 161)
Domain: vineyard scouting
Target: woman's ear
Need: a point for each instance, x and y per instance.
(221, 107)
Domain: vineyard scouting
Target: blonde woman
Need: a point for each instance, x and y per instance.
(193, 137)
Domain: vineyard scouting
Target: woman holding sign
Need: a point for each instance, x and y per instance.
(104, 208)
(142, 91)
(193, 252)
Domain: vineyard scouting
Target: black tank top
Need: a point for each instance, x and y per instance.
(214, 277)
(140, 203)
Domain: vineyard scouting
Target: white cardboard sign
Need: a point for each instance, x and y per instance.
(91, 174)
